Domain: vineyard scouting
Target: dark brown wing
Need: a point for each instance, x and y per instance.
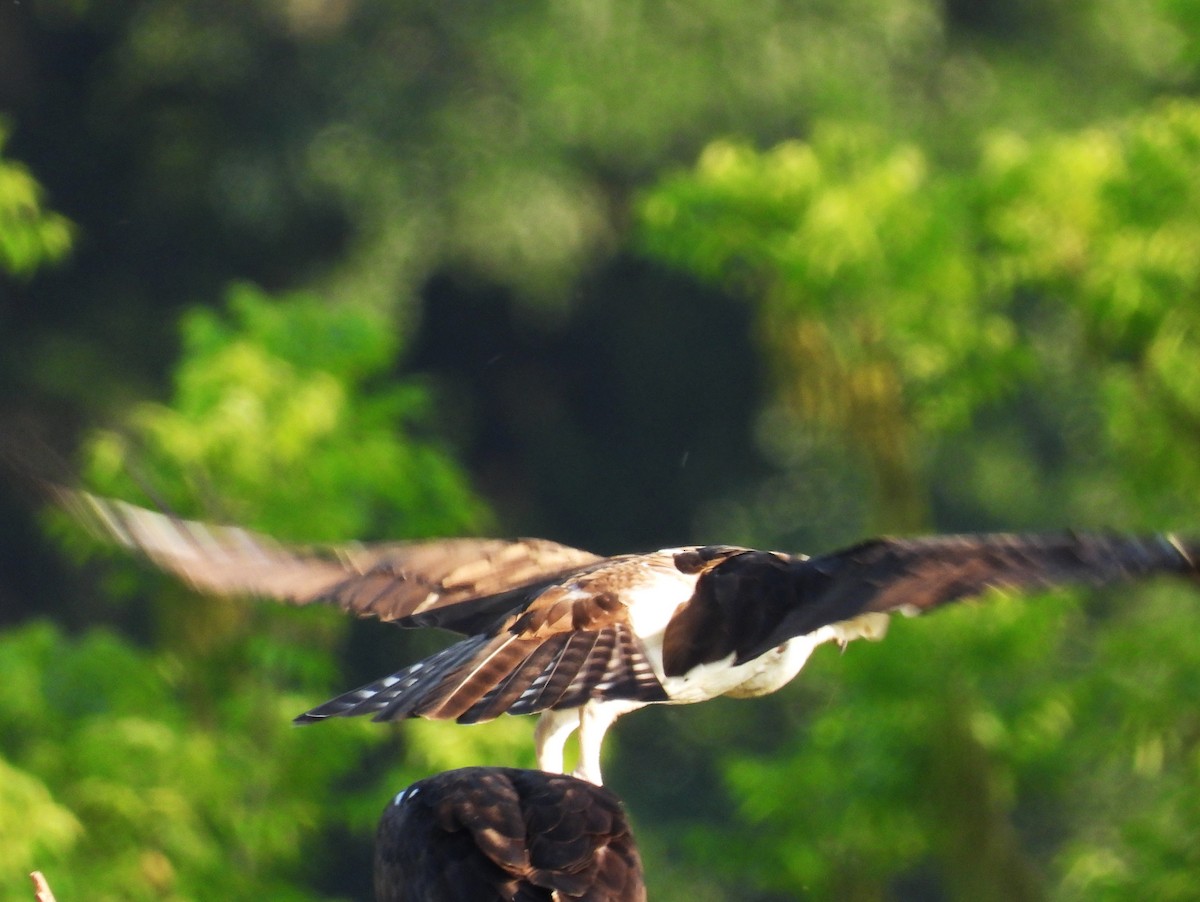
(888, 574)
(484, 833)
(459, 584)
(571, 643)
(758, 600)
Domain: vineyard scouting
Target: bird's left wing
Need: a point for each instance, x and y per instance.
(914, 575)
(457, 584)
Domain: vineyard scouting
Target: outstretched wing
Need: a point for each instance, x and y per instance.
(492, 833)
(917, 574)
(573, 642)
(458, 584)
(756, 601)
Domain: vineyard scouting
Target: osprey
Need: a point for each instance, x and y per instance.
(583, 639)
(498, 833)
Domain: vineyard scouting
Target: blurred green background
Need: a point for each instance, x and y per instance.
(626, 275)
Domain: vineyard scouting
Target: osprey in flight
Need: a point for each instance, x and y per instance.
(583, 639)
(498, 833)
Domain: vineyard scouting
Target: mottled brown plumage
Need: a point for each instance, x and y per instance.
(489, 833)
(456, 584)
(585, 639)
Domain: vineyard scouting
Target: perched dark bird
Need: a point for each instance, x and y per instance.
(584, 639)
(496, 833)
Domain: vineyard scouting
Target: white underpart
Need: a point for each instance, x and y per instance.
(592, 720)
(768, 672)
(550, 735)
(651, 606)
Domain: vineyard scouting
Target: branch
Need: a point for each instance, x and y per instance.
(41, 889)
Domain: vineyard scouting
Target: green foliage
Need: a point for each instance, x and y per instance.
(149, 777)
(282, 400)
(1106, 222)
(488, 137)
(494, 138)
(858, 237)
(36, 825)
(176, 773)
(30, 235)
(149, 800)
(870, 309)
(903, 303)
(894, 300)
(901, 762)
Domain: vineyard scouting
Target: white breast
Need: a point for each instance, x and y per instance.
(766, 673)
(658, 595)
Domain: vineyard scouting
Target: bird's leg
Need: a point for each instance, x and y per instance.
(549, 737)
(594, 720)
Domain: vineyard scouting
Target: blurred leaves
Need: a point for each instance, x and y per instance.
(1105, 223)
(171, 767)
(897, 302)
(36, 824)
(286, 393)
(903, 305)
(870, 309)
(30, 234)
(491, 137)
(380, 143)
(149, 802)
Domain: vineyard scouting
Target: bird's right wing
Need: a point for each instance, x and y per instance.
(457, 584)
